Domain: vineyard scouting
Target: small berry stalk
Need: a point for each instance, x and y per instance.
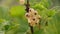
(27, 10)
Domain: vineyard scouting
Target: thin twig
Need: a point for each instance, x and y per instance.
(27, 10)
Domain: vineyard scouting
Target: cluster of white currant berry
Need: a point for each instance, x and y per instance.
(33, 17)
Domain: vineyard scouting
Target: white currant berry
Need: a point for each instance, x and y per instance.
(37, 21)
(36, 13)
(29, 20)
(39, 16)
(27, 15)
(31, 10)
(22, 2)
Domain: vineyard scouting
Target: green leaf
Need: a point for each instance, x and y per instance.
(17, 11)
(51, 13)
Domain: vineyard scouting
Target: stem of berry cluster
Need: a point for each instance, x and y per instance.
(27, 6)
(27, 10)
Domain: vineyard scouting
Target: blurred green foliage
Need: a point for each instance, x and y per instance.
(13, 21)
(15, 11)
